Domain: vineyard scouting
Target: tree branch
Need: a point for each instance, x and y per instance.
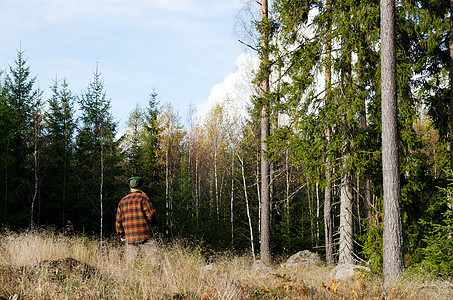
(250, 46)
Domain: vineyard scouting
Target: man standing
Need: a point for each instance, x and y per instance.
(135, 218)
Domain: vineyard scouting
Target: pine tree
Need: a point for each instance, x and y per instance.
(265, 250)
(393, 231)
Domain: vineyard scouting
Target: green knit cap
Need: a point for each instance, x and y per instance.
(135, 182)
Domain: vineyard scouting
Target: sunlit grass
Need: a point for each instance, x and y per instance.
(182, 272)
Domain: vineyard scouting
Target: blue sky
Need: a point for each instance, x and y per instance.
(182, 48)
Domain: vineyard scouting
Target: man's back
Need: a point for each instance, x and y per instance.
(135, 216)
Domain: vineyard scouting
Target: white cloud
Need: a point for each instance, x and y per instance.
(236, 90)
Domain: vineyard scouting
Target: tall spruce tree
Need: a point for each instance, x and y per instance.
(60, 130)
(20, 98)
(151, 150)
(96, 149)
(6, 132)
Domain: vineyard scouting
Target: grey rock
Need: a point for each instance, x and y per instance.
(347, 271)
(303, 259)
(260, 268)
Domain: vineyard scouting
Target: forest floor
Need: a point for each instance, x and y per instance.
(46, 265)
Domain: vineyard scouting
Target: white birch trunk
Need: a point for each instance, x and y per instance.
(287, 188)
(101, 188)
(244, 185)
(167, 187)
(197, 204)
(35, 192)
(232, 198)
(216, 187)
(36, 170)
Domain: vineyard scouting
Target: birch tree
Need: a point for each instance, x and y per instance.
(37, 116)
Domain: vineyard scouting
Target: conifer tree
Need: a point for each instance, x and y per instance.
(19, 177)
(96, 147)
(6, 132)
(151, 151)
(265, 249)
(393, 231)
(60, 130)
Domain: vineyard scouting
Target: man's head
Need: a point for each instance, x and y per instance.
(135, 182)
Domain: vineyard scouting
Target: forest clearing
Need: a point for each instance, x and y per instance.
(48, 265)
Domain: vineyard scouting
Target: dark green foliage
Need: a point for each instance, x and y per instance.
(372, 243)
(58, 184)
(18, 102)
(437, 254)
(97, 157)
(151, 151)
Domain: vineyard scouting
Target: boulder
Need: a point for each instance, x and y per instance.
(260, 268)
(347, 271)
(303, 259)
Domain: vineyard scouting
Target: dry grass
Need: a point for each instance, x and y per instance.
(34, 266)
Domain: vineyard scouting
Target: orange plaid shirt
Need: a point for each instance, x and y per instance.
(134, 217)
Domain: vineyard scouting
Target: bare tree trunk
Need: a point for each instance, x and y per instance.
(288, 221)
(101, 189)
(216, 187)
(393, 230)
(449, 204)
(35, 158)
(363, 125)
(232, 198)
(346, 245)
(197, 192)
(65, 165)
(258, 192)
(244, 185)
(346, 251)
(167, 186)
(451, 85)
(328, 226)
(6, 182)
(265, 252)
(358, 182)
(317, 213)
